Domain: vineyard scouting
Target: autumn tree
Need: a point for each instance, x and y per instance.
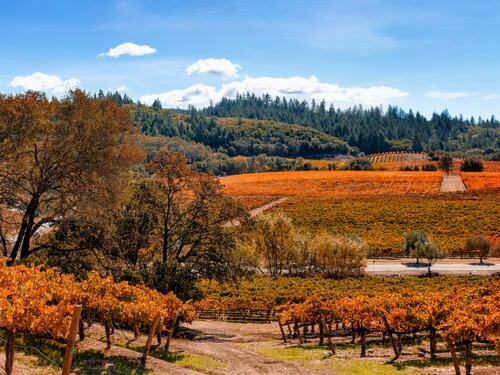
(58, 158)
(193, 235)
(339, 257)
(275, 243)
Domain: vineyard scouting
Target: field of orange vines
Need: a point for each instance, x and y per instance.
(331, 183)
(481, 180)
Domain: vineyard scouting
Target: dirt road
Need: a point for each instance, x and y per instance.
(452, 184)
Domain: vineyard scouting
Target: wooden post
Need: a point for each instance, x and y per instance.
(70, 340)
(328, 334)
(152, 331)
(282, 331)
(171, 331)
(454, 359)
(10, 348)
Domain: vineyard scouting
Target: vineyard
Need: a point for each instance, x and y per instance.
(382, 220)
(331, 183)
(458, 311)
(40, 302)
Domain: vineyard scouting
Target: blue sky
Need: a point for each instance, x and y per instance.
(426, 55)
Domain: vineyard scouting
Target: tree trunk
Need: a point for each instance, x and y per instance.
(321, 335)
(454, 358)
(433, 341)
(400, 344)
(107, 329)
(353, 333)
(468, 358)
(81, 330)
(363, 342)
(10, 348)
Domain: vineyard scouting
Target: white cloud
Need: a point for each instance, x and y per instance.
(491, 97)
(449, 95)
(220, 67)
(130, 49)
(301, 88)
(43, 82)
(122, 88)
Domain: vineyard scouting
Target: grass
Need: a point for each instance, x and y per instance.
(317, 358)
(193, 361)
(346, 366)
(294, 353)
(196, 362)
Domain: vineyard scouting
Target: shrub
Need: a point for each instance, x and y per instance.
(359, 164)
(429, 168)
(472, 165)
(339, 257)
(409, 168)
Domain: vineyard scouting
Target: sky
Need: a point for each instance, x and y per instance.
(428, 55)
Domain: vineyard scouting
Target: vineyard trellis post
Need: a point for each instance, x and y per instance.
(328, 334)
(71, 338)
(171, 331)
(282, 331)
(152, 331)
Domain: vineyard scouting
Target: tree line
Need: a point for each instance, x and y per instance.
(372, 130)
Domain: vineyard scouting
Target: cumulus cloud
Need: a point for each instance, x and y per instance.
(122, 88)
(301, 88)
(219, 67)
(130, 49)
(43, 82)
(449, 95)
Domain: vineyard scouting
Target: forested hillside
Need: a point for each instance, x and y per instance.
(239, 136)
(252, 126)
(371, 130)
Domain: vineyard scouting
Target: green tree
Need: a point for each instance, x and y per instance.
(430, 252)
(446, 163)
(413, 243)
(478, 246)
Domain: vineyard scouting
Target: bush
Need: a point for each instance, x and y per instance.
(409, 168)
(339, 257)
(359, 164)
(472, 165)
(429, 168)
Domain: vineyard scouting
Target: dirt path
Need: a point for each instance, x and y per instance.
(218, 348)
(452, 183)
(259, 210)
